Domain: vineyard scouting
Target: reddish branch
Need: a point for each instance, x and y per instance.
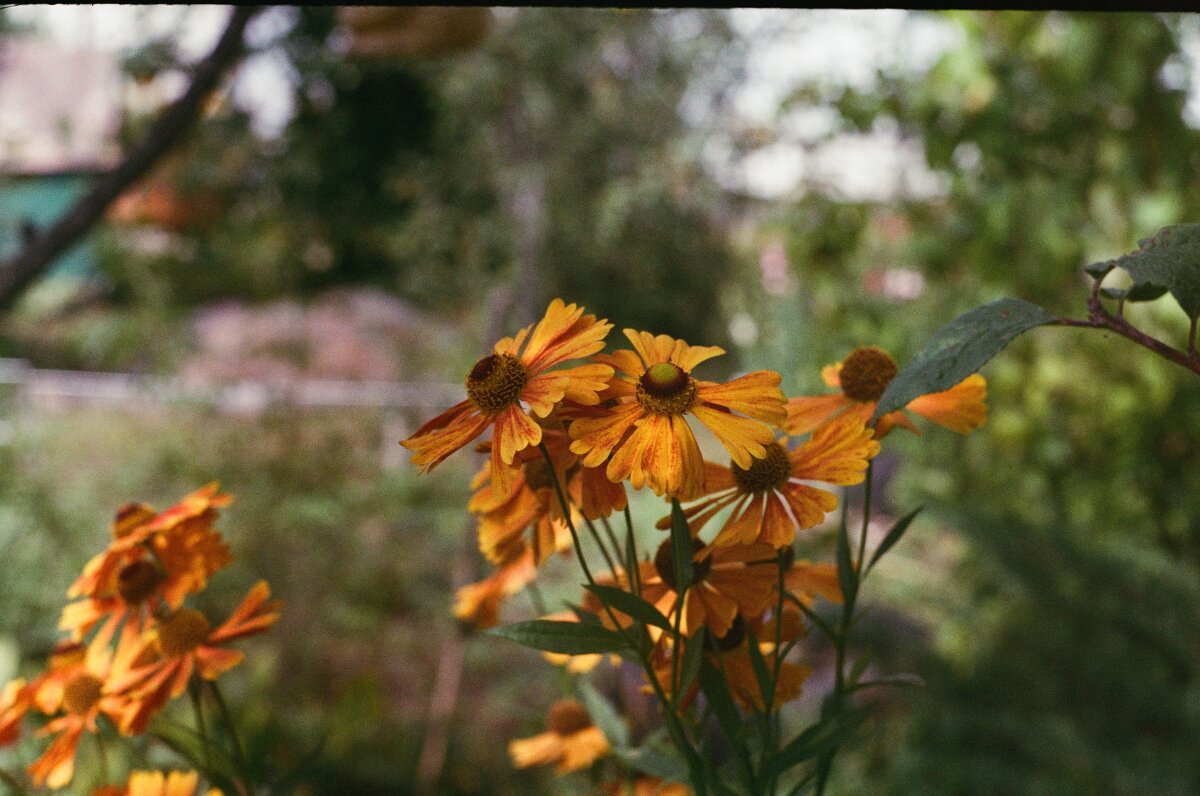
(1100, 318)
(46, 245)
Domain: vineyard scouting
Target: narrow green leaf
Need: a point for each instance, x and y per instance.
(716, 690)
(584, 615)
(847, 577)
(821, 738)
(568, 638)
(959, 349)
(631, 604)
(766, 683)
(860, 666)
(894, 535)
(693, 653)
(603, 715)
(1170, 258)
(204, 755)
(682, 549)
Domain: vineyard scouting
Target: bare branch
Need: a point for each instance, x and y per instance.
(44, 247)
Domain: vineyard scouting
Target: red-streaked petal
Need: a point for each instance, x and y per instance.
(445, 434)
(809, 411)
(837, 452)
(743, 437)
(595, 438)
(756, 394)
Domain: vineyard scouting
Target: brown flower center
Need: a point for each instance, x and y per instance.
(765, 474)
(496, 382)
(665, 389)
(866, 373)
(734, 637)
(138, 581)
(81, 693)
(182, 632)
(567, 717)
(663, 563)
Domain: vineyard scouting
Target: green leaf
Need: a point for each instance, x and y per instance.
(682, 549)
(568, 638)
(959, 349)
(729, 719)
(894, 535)
(822, 737)
(1170, 258)
(1099, 270)
(766, 683)
(693, 653)
(656, 757)
(631, 604)
(604, 716)
(204, 755)
(859, 667)
(847, 577)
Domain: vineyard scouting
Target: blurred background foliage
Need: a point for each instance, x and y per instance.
(1049, 596)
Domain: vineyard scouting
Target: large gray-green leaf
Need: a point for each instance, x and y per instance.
(960, 348)
(1170, 259)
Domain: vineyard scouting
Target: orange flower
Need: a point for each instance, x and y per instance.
(571, 740)
(155, 783)
(727, 581)
(478, 604)
(770, 499)
(647, 786)
(864, 375)
(84, 699)
(738, 668)
(519, 371)
(185, 642)
(646, 433)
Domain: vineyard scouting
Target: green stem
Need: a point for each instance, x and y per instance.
(612, 538)
(635, 573)
(608, 559)
(239, 752)
(201, 724)
(674, 725)
(535, 597)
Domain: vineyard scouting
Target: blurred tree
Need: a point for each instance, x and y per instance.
(556, 156)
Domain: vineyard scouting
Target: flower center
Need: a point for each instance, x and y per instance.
(765, 474)
(734, 638)
(567, 717)
(496, 382)
(182, 632)
(537, 476)
(665, 389)
(866, 373)
(666, 570)
(129, 518)
(138, 581)
(81, 693)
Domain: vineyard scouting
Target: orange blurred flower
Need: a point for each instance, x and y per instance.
(571, 740)
(645, 431)
(519, 371)
(478, 604)
(864, 375)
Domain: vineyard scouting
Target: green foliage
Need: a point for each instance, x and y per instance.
(568, 638)
(1167, 260)
(961, 348)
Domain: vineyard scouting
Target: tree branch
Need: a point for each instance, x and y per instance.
(48, 244)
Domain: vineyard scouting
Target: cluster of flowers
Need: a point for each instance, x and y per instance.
(565, 439)
(133, 644)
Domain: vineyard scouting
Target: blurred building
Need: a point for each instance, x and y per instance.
(59, 117)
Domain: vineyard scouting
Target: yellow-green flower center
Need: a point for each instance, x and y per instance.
(182, 632)
(81, 693)
(137, 582)
(567, 717)
(765, 474)
(866, 373)
(496, 382)
(665, 389)
(665, 566)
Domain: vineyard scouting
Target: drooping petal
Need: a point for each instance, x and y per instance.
(778, 530)
(213, 661)
(837, 452)
(893, 420)
(581, 749)
(742, 527)
(445, 434)
(808, 503)
(595, 438)
(515, 431)
(961, 408)
(806, 578)
(807, 412)
(756, 394)
(581, 384)
(541, 749)
(743, 437)
(599, 497)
